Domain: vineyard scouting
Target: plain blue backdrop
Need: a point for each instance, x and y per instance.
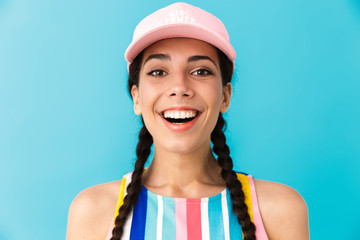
(66, 120)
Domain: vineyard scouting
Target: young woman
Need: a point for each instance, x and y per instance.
(180, 67)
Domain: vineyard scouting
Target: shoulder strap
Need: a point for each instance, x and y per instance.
(244, 179)
(247, 182)
(122, 193)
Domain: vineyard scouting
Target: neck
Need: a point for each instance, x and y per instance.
(183, 172)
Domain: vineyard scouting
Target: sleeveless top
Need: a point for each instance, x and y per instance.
(159, 217)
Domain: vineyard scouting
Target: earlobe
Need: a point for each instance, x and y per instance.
(227, 91)
(135, 97)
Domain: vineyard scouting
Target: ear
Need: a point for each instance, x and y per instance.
(135, 97)
(227, 91)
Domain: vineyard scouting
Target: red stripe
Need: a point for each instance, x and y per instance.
(193, 213)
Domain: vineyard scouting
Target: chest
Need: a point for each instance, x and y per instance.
(158, 217)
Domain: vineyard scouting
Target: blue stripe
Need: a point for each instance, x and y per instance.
(169, 225)
(151, 216)
(234, 225)
(137, 231)
(216, 224)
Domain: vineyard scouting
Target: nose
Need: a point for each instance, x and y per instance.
(180, 86)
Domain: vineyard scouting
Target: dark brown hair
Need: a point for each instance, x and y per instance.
(220, 148)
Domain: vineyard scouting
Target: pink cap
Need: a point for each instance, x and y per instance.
(180, 20)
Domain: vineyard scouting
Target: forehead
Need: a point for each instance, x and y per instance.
(182, 46)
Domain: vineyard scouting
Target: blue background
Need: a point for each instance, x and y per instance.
(66, 120)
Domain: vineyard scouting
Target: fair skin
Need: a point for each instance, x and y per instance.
(184, 75)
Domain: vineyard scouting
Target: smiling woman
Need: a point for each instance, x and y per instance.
(180, 68)
(186, 79)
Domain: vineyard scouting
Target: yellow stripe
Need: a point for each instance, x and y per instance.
(246, 189)
(120, 198)
(247, 192)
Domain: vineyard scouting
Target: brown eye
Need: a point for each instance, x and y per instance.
(202, 72)
(157, 73)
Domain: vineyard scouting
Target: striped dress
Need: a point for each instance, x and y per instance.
(157, 217)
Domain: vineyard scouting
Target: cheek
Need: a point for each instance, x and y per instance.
(214, 94)
(144, 101)
(147, 96)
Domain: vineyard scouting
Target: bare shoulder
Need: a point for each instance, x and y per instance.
(283, 210)
(92, 210)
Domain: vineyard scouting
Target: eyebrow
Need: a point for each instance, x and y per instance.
(166, 57)
(159, 56)
(200, 57)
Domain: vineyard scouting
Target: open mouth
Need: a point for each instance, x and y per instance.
(180, 117)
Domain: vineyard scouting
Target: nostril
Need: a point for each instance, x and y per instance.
(180, 93)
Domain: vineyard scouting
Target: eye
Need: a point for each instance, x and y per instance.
(202, 72)
(157, 73)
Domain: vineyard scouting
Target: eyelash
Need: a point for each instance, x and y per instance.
(198, 72)
(157, 73)
(204, 72)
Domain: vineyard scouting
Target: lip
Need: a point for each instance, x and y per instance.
(180, 127)
(179, 108)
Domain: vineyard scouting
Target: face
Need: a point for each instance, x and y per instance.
(180, 94)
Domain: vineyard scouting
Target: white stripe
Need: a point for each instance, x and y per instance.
(225, 215)
(159, 218)
(127, 182)
(205, 232)
(127, 226)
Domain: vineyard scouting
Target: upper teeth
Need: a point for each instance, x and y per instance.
(179, 114)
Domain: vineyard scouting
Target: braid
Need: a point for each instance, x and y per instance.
(240, 209)
(142, 151)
